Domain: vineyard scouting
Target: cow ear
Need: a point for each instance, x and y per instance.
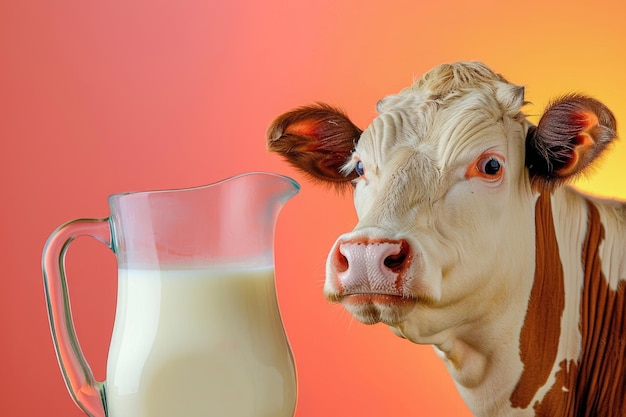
(317, 139)
(571, 134)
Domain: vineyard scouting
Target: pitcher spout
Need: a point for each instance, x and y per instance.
(255, 203)
(278, 188)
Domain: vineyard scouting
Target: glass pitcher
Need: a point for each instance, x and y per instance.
(197, 329)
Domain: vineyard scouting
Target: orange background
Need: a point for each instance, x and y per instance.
(103, 97)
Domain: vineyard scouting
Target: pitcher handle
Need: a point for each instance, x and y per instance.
(86, 392)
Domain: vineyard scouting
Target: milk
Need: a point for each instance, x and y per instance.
(207, 343)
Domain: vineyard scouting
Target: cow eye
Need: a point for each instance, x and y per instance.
(490, 166)
(358, 169)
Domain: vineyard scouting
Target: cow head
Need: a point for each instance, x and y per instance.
(445, 181)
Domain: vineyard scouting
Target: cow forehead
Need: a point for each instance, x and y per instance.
(459, 126)
(445, 108)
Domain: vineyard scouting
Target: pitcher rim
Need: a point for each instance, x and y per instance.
(293, 182)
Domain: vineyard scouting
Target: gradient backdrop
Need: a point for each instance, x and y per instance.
(102, 97)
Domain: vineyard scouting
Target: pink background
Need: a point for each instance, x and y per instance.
(103, 97)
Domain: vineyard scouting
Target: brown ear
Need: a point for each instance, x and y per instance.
(571, 134)
(316, 139)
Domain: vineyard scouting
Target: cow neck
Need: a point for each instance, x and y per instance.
(595, 384)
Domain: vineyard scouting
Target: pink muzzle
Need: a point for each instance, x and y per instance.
(365, 266)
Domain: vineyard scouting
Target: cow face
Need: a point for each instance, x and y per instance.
(438, 184)
(445, 180)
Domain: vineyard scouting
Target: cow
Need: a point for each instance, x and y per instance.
(470, 239)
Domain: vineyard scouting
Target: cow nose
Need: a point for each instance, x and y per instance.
(364, 266)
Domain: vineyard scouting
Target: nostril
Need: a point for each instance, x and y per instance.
(396, 262)
(340, 261)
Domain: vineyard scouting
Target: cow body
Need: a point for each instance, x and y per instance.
(468, 240)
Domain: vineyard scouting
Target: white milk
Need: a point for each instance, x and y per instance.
(207, 343)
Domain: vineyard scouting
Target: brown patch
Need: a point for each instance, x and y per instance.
(539, 338)
(560, 400)
(596, 385)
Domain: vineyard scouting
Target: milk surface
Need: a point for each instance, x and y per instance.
(191, 343)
